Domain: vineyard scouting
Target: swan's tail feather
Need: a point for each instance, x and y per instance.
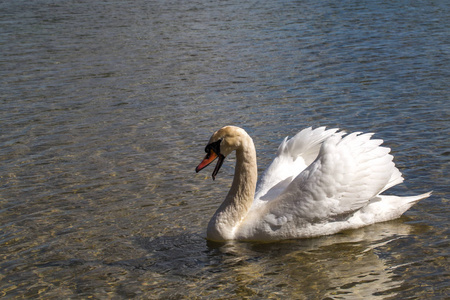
(408, 201)
(385, 207)
(398, 205)
(411, 200)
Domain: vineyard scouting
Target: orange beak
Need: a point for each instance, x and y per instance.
(209, 158)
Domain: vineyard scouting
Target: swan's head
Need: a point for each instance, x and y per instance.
(222, 142)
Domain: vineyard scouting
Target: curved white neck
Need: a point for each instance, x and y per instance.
(240, 197)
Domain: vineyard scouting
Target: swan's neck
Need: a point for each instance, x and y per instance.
(240, 197)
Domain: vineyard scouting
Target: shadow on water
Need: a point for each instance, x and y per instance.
(356, 263)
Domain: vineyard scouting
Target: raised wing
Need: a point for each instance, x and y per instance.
(293, 156)
(348, 172)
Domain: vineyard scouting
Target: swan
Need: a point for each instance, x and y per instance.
(322, 181)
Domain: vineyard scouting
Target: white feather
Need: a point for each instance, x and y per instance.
(321, 182)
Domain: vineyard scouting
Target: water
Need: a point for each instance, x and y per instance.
(106, 107)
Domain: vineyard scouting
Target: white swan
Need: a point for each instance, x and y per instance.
(321, 182)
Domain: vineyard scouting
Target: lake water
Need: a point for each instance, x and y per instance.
(106, 107)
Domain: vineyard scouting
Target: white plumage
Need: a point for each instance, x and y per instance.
(321, 182)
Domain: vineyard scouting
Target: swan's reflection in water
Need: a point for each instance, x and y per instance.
(351, 265)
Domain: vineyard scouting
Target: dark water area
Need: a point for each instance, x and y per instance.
(106, 107)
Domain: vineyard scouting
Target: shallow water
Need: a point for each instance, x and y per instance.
(106, 109)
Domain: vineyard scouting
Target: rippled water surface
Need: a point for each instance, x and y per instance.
(106, 107)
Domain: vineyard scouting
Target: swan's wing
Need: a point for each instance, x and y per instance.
(293, 156)
(348, 172)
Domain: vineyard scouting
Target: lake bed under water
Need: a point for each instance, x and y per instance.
(106, 107)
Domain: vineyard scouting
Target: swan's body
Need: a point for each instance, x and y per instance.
(321, 182)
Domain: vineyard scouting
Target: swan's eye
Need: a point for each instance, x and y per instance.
(214, 147)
